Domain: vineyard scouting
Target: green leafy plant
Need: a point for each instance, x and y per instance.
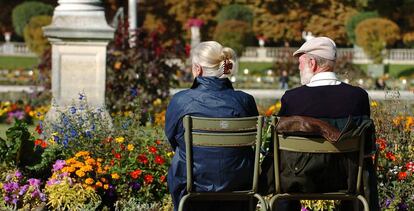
(22, 14)
(18, 148)
(66, 195)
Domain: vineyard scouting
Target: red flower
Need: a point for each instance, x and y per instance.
(409, 166)
(27, 109)
(117, 155)
(135, 174)
(143, 159)
(38, 129)
(38, 142)
(159, 160)
(390, 156)
(43, 144)
(122, 147)
(162, 178)
(158, 142)
(402, 175)
(148, 178)
(381, 144)
(152, 149)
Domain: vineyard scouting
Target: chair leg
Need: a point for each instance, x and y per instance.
(272, 203)
(265, 206)
(182, 202)
(364, 202)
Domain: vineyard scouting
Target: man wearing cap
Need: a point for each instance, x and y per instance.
(324, 97)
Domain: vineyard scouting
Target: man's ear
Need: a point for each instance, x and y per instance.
(197, 70)
(313, 65)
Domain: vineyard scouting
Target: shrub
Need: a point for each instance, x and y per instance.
(234, 34)
(408, 39)
(22, 14)
(33, 34)
(353, 22)
(235, 12)
(139, 76)
(374, 34)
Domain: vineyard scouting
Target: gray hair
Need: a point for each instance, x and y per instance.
(322, 62)
(211, 55)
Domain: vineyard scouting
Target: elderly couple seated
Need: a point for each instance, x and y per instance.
(213, 175)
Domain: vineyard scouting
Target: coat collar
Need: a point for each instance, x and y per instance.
(212, 83)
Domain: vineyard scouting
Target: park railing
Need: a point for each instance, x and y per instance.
(15, 49)
(356, 55)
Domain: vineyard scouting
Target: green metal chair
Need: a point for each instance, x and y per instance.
(316, 145)
(222, 132)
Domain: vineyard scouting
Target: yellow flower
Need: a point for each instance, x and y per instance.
(89, 181)
(157, 102)
(68, 169)
(90, 161)
(170, 154)
(86, 168)
(71, 161)
(80, 173)
(99, 159)
(106, 186)
(409, 123)
(119, 140)
(82, 153)
(374, 104)
(115, 176)
(130, 147)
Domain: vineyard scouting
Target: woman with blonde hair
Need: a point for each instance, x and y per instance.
(211, 95)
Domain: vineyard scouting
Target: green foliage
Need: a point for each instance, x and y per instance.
(235, 12)
(374, 34)
(234, 34)
(33, 34)
(17, 149)
(353, 22)
(22, 14)
(67, 195)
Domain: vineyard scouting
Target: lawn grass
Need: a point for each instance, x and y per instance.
(255, 68)
(394, 70)
(18, 62)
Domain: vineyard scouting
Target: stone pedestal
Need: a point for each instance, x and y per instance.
(79, 36)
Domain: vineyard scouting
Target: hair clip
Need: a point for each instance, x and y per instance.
(228, 65)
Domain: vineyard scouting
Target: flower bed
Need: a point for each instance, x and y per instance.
(81, 162)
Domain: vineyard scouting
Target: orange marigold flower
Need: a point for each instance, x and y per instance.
(104, 180)
(159, 160)
(82, 153)
(38, 142)
(402, 175)
(98, 184)
(115, 176)
(381, 144)
(86, 168)
(89, 181)
(148, 178)
(80, 173)
(90, 161)
(43, 144)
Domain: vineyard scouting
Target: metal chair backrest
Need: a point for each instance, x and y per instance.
(222, 132)
(317, 145)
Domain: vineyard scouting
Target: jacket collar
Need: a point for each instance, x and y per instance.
(212, 83)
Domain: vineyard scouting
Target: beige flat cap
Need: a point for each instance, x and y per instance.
(318, 46)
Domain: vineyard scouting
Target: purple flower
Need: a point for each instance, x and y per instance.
(135, 185)
(53, 182)
(72, 110)
(18, 174)
(34, 182)
(304, 209)
(387, 203)
(14, 201)
(58, 165)
(42, 197)
(11, 186)
(35, 193)
(6, 198)
(23, 189)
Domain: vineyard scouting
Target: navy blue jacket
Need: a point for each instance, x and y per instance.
(215, 169)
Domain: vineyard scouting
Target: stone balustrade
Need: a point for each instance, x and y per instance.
(15, 49)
